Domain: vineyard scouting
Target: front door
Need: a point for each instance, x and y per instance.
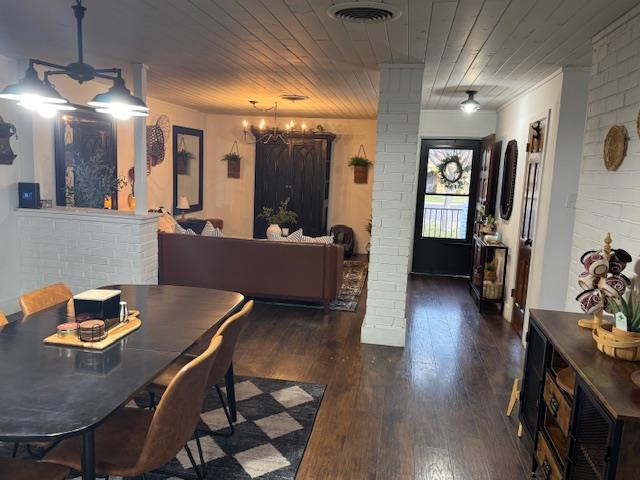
(533, 180)
(445, 207)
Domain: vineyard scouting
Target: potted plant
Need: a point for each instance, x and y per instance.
(183, 157)
(627, 311)
(489, 225)
(233, 164)
(277, 218)
(360, 166)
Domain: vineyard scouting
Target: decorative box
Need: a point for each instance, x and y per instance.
(98, 303)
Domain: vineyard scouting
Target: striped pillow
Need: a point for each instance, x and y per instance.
(177, 228)
(327, 239)
(296, 236)
(210, 231)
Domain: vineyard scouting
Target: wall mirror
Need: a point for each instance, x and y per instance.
(187, 167)
(509, 171)
(85, 159)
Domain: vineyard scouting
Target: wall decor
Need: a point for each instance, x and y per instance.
(188, 160)
(86, 160)
(509, 171)
(615, 147)
(7, 130)
(361, 165)
(157, 138)
(233, 161)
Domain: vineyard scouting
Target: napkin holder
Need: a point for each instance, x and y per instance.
(98, 303)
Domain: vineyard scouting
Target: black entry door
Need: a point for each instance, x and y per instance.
(446, 207)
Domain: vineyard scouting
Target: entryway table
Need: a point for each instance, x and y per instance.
(49, 393)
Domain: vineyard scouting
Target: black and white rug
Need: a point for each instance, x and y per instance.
(275, 419)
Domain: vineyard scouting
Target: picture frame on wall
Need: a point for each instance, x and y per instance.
(188, 173)
(86, 162)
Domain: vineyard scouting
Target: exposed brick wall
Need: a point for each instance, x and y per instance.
(610, 201)
(393, 203)
(86, 250)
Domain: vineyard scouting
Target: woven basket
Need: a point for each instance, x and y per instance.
(360, 174)
(616, 346)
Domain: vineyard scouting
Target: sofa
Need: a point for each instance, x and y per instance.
(255, 268)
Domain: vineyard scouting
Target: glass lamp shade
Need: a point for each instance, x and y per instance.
(31, 91)
(470, 105)
(119, 102)
(183, 204)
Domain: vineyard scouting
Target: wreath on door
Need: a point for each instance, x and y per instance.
(451, 171)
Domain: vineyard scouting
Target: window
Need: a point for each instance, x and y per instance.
(446, 199)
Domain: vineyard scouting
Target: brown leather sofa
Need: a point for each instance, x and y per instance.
(255, 268)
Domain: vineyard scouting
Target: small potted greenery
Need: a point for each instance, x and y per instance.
(360, 166)
(183, 157)
(627, 312)
(489, 225)
(277, 218)
(233, 164)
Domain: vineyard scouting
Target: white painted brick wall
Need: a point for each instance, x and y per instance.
(610, 201)
(86, 249)
(393, 203)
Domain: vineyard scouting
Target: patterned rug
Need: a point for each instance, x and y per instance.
(275, 419)
(353, 278)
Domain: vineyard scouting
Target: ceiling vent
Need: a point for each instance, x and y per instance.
(364, 12)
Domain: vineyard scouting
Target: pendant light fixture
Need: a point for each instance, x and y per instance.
(40, 95)
(470, 105)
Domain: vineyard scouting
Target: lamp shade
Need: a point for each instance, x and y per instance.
(118, 96)
(30, 90)
(183, 204)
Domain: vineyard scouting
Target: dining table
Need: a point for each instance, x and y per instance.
(49, 392)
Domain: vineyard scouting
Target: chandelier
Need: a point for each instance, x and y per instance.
(265, 135)
(41, 96)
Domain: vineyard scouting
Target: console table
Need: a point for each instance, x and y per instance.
(588, 427)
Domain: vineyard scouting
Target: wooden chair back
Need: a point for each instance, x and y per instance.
(178, 412)
(44, 298)
(3, 319)
(230, 332)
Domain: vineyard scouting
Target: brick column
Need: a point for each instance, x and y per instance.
(394, 203)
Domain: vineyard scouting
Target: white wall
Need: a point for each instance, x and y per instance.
(610, 201)
(232, 199)
(560, 100)
(448, 124)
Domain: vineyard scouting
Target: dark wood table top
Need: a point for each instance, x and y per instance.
(608, 378)
(48, 391)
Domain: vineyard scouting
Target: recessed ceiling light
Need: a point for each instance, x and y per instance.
(294, 97)
(364, 12)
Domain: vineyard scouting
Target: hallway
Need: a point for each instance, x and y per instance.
(434, 410)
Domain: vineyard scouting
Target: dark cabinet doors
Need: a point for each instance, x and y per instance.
(533, 380)
(299, 171)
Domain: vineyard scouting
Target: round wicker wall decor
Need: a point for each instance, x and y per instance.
(615, 147)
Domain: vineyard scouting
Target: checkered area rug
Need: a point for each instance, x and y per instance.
(275, 419)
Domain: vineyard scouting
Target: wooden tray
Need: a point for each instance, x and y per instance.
(115, 333)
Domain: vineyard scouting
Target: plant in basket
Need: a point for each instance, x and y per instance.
(627, 315)
(361, 165)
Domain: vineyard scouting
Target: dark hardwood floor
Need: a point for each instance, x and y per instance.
(433, 410)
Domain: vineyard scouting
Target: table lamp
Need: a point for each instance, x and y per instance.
(183, 204)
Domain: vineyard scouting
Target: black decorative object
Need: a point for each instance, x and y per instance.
(509, 172)
(85, 159)
(157, 138)
(188, 157)
(7, 130)
(28, 195)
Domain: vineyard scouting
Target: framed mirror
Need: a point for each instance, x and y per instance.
(509, 170)
(86, 163)
(187, 168)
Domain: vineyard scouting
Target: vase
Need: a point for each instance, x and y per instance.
(274, 232)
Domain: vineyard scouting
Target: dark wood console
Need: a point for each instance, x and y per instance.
(587, 428)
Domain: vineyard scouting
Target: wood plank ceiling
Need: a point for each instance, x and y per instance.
(215, 55)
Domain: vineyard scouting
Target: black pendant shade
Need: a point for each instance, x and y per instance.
(118, 96)
(31, 86)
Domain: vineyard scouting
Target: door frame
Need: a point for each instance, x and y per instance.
(433, 143)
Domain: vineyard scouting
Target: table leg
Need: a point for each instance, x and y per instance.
(231, 393)
(88, 456)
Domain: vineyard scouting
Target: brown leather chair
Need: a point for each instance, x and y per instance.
(230, 332)
(3, 319)
(18, 469)
(44, 298)
(135, 441)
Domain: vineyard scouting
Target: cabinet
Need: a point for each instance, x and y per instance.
(488, 272)
(299, 170)
(587, 428)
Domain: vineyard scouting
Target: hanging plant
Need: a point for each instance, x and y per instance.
(233, 161)
(451, 173)
(360, 164)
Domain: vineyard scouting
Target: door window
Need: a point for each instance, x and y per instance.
(446, 199)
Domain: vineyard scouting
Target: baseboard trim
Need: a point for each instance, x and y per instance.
(388, 336)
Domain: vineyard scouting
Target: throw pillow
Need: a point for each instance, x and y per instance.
(295, 236)
(210, 231)
(327, 239)
(166, 223)
(190, 232)
(177, 228)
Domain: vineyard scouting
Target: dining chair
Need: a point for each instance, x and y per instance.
(42, 298)
(230, 332)
(19, 469)
(3, 319)
(135, 441)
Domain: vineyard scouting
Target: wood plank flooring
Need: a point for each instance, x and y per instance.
(433, 410)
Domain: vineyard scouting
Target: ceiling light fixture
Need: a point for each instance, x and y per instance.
(470, 105)
(40, 95)
(265, 136)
